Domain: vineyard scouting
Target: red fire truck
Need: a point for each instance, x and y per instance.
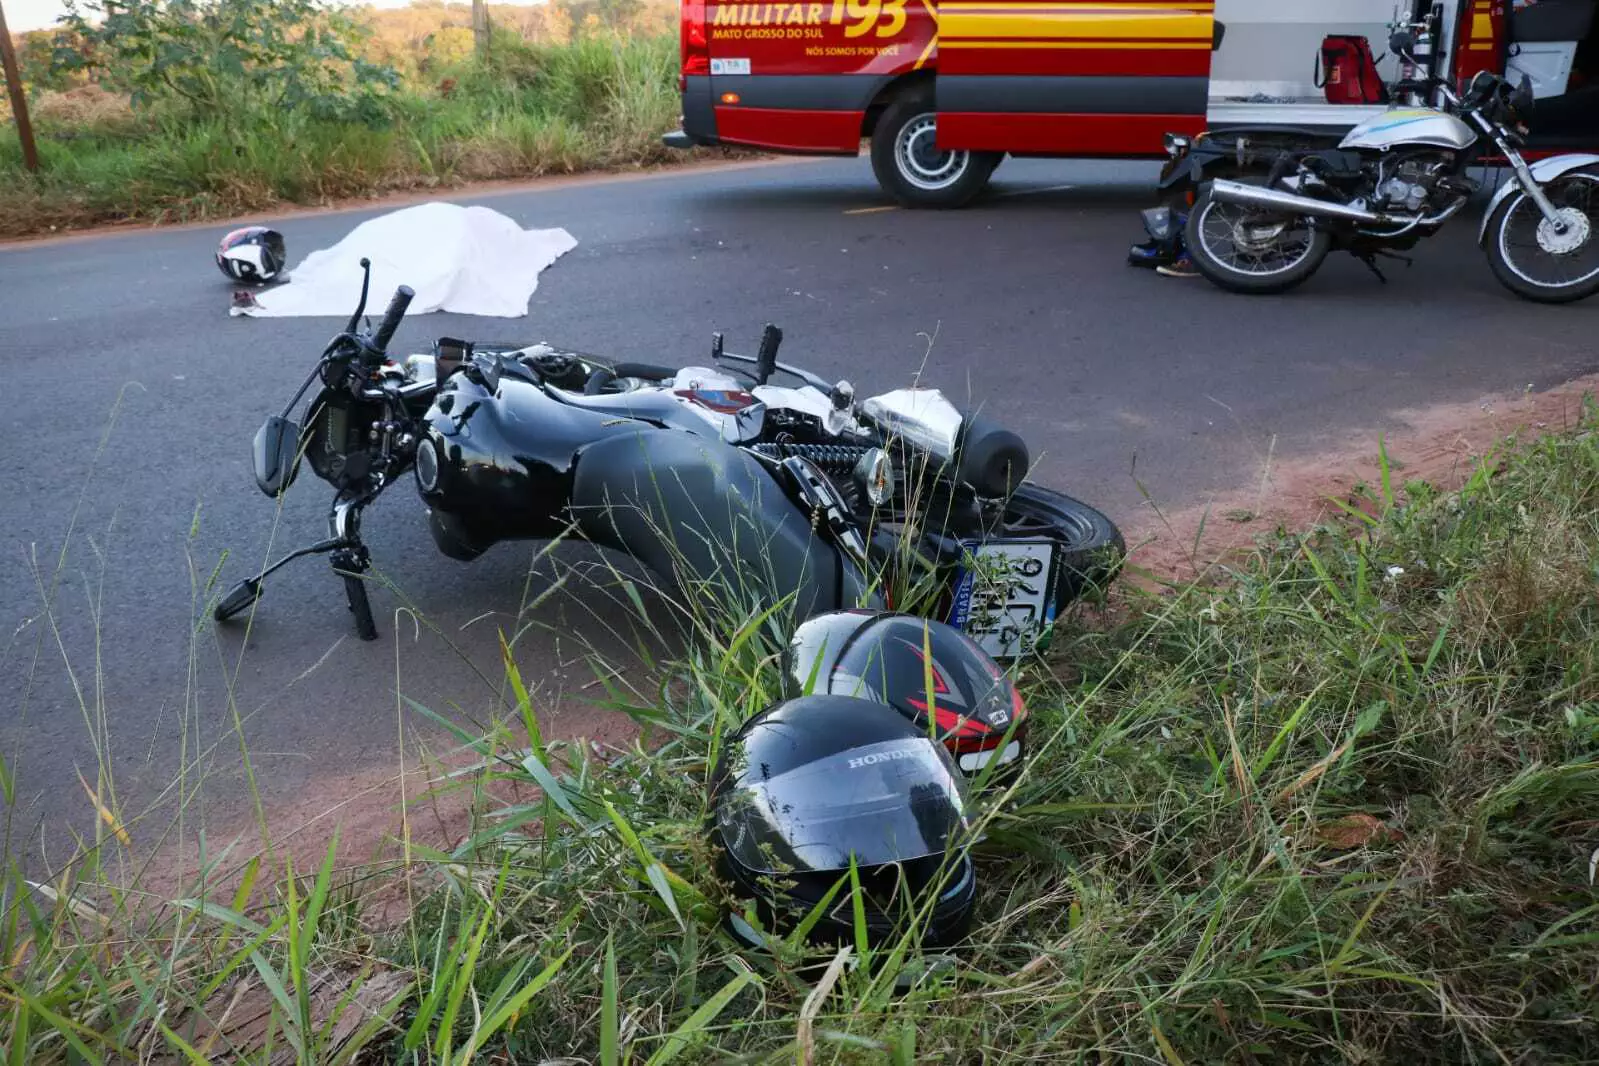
(944, 89)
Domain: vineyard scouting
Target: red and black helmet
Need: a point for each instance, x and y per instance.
(920, 667)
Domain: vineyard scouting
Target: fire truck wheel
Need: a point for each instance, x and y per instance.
(910, 166)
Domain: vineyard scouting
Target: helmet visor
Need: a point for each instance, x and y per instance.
(887, 802)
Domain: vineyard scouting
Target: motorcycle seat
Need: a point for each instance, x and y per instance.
(659, 408)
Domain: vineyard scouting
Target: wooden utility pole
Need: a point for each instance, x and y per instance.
(19, 101)
(480, 27)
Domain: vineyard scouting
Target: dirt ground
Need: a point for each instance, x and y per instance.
(1440, 444)
(381, 812)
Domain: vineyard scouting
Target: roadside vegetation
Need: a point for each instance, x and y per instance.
(170, 110)
(1338, 803)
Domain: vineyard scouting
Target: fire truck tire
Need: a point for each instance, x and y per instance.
(912, 170)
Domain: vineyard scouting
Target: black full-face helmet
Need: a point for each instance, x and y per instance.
(920, 667)
(810, 782)
(253, 254)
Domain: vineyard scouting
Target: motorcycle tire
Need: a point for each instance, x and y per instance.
(360, 607)
(1093, 548)
(1500, 261)
(1231, 279)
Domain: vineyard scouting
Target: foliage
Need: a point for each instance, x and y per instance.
(244, 61)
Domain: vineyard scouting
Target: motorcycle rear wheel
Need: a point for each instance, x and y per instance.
(1210, 221)
(1091, 547)
(1577, 192)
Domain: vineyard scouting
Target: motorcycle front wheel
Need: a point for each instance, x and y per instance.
(1542, 261)
(1246, 250)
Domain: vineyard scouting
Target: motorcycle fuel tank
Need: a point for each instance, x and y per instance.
(1410, 126)
(496, 463)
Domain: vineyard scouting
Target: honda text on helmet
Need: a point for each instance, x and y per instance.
(808, 785)
(253, 254)
(920, 667)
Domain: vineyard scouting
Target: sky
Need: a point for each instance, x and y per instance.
(25, 15)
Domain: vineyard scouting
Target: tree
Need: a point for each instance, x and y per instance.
(227, 59)
(19, 99)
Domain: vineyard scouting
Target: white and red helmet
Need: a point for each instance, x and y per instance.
(253, 254)
(924, 669)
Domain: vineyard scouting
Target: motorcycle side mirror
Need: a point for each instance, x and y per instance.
(1524, 99)
(276, 454)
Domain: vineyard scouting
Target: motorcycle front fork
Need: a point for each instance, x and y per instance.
(1534, 191)
(351, 560)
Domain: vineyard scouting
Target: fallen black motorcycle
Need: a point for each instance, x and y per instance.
(711, 476)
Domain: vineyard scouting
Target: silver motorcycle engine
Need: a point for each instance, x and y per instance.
(1406, 183)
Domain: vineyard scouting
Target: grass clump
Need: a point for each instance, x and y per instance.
(1342, 807)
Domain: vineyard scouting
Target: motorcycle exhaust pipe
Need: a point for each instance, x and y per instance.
(1236, 192)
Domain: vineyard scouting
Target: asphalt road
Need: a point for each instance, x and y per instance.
(131, 397)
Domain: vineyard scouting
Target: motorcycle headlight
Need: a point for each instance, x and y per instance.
(427, 466)
(874, 473)
(1159, 223)
(1176, 144)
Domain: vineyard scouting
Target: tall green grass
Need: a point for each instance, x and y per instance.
(1338, 807)
(602, 101)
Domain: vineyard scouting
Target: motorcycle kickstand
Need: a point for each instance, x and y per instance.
(1370, 259)
(350, 561)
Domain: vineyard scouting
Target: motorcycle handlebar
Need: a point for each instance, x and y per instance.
(391, 318)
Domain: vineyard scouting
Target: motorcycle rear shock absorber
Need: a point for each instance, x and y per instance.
(831, 458)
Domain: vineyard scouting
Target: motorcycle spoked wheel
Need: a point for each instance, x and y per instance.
(1229, 243)
(1576, 196)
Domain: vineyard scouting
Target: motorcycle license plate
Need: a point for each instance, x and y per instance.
(1004, 597)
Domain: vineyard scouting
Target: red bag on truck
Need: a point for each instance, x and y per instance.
(1350, 72)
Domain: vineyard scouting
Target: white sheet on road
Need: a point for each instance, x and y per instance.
(466, 260)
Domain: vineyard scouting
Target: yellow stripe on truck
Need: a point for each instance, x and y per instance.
(1099, 26)
(1138, 46)
(1070, 8)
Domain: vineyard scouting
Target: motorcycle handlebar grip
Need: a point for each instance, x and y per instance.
(766, 358)
(391, 318)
